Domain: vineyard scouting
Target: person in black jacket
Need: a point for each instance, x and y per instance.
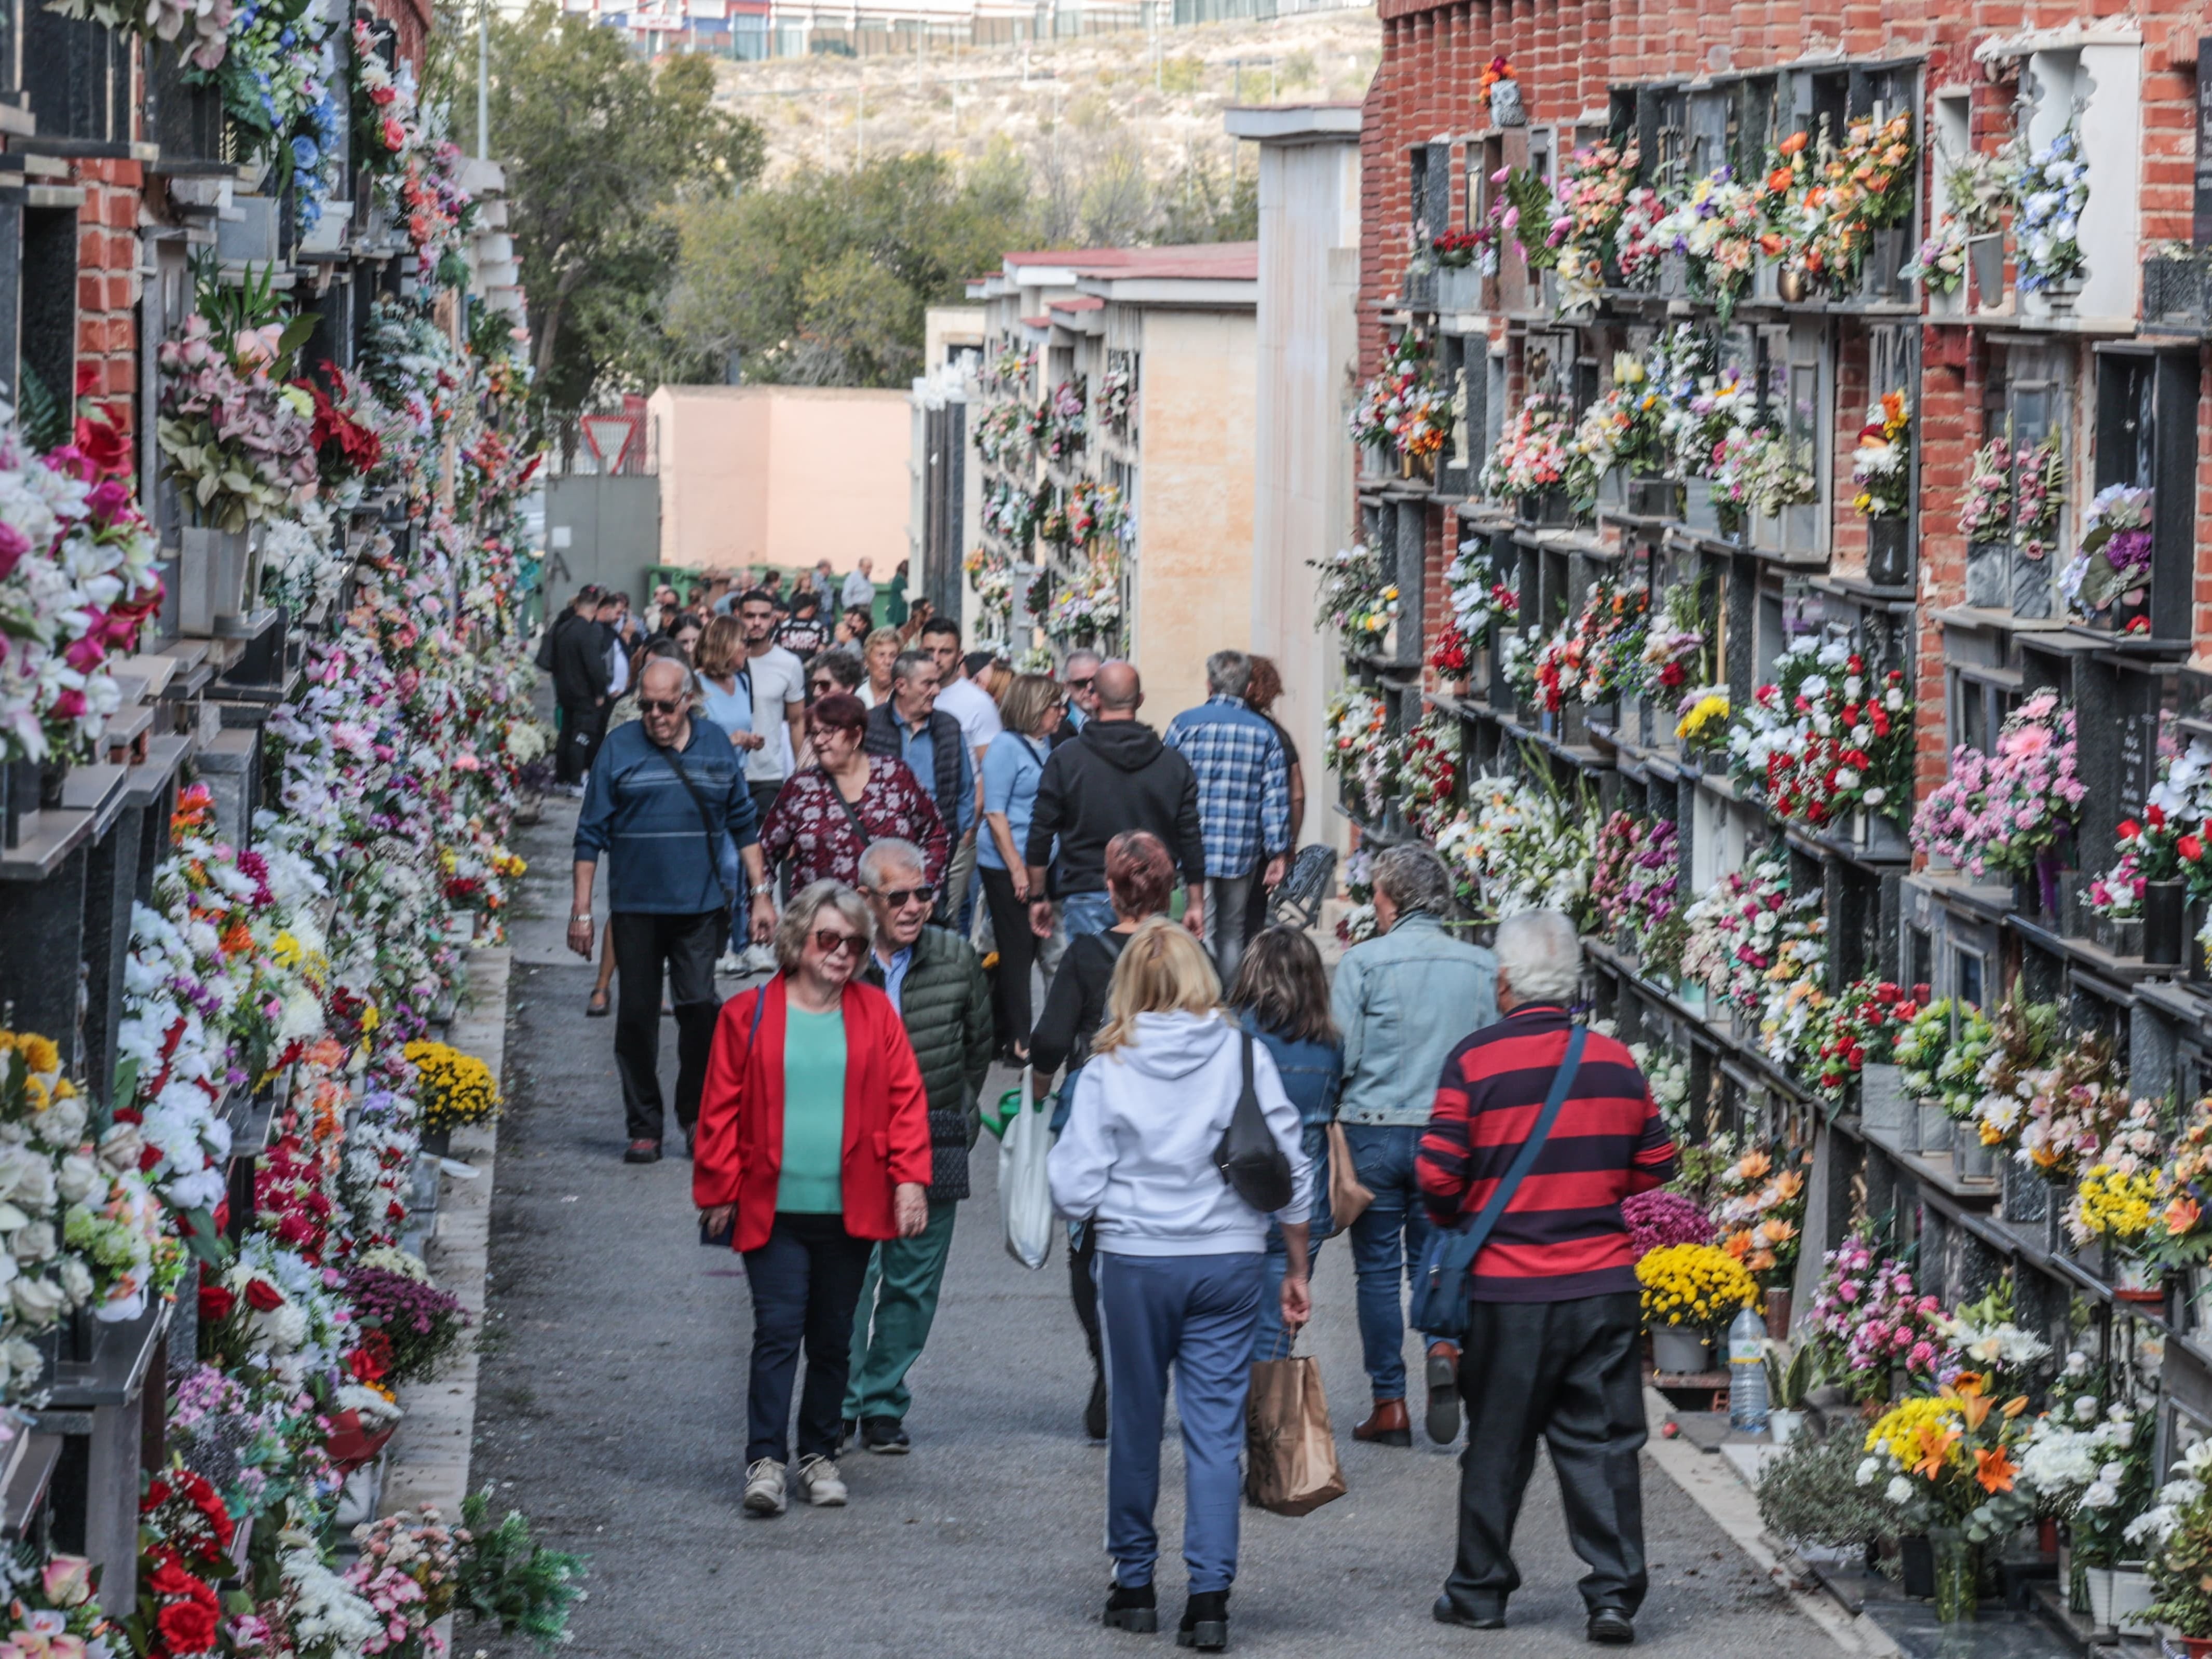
(1139, 875)
(908, 726)
(580, 679)
(1117, 776)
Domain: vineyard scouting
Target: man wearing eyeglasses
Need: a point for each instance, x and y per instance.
(935, 981)
(668, 806)
(1081, 675)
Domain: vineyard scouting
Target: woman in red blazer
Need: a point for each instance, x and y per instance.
(813, 1144)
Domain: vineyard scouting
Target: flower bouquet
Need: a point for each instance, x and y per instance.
(1950, 1466)
(1478, 598)
(1862, 1026)
(1692, 1288)
(2112, 565)
(1821, 741)
(453, 1090)
(1880, 464)
(1866, 184)
(2077, 1104)
(1358, 599)
(1758, 1208)
(1428, 773)
(1521, 845)
(240, 442)
(1534, 454)
(1701, 725)
(2009, 810)
(1717, 225)
(2054, 188)
(1659, 1218)
(1356, 728)
(1985, 509)
(1869, 1322)
(2038, 491)
(2000, 1084)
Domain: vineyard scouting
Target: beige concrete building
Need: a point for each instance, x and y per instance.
(1123, 500)
(1304, 503)
(782, 474)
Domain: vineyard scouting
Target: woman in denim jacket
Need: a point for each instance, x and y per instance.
(1281, 997)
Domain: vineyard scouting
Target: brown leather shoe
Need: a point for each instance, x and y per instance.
(1441, 1420)
(1387, 1426)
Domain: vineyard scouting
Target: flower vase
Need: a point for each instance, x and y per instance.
(1776, 1314)
(1935, 1127)
(1782, 1425)
(53, 777)
(1680, 1351)
(2134, 1279)
(1958, 1564)
(1970, 1160)
(2131, 1598)
(1883, 1109)
(2162, 932)
(1701, 512)
(1889, 552)
(1985, 263)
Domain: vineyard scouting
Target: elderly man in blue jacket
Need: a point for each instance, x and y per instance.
(668, 806)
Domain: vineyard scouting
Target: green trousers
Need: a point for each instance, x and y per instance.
(898, 1300)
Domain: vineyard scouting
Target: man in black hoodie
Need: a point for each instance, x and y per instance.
(1116, 775)
(581, 678)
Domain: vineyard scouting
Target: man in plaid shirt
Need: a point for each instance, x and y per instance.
(1243, 800)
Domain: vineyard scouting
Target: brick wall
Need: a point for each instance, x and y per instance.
(107, 282)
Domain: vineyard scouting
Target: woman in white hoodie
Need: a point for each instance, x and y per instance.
(1180, 1264)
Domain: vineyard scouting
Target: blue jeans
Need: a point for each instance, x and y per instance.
(1086, 913)
(1196, 1313)
(1269, 1340)
(1387, 1241)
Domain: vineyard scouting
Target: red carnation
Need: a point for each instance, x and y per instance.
(2190, 848)
(215, 1304)
(263, 1296)
(2130, 829)
(2157, 817)
(170, 1579)
(157, 1493)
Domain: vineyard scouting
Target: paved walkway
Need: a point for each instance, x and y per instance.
(612, 1411)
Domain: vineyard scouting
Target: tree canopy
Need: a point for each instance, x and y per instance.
(600, 149)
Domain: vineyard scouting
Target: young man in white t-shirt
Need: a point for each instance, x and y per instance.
(779, 711)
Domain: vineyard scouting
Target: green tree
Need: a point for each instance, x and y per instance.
(822, 279)
(602, 150)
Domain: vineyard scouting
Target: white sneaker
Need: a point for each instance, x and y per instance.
(764, 1488)
(759, 959)
(729, 963)
(819, 1483)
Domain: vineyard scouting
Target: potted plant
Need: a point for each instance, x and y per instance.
(1791, 1375)
(1688, 1291)
(2181, 1566)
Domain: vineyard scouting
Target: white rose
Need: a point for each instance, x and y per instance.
(1876, 795)
(62, 1123)
(1900, 1490)
(39, 1301)
(76, 1279)
(120, 1148)
(2085, 1409)
(35, 1243)
(78, 1178)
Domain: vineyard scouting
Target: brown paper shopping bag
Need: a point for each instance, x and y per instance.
(1290, 1450)
(1347, 1197)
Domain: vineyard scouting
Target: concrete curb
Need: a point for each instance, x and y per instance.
(428, 1460)
(1713, 1485)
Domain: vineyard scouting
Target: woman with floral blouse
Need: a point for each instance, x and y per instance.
(827, 814)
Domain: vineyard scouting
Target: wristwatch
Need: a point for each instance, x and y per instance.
(573, 919)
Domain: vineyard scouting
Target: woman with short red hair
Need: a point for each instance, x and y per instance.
(828, 814)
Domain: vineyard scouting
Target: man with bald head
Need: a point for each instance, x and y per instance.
(668, 806)
(1116, 775)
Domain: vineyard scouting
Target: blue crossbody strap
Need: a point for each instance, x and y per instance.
(1458, 1257)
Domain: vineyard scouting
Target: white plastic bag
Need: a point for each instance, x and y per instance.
(1024, 1191)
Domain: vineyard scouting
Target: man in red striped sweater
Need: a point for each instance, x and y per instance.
(1553, 1348)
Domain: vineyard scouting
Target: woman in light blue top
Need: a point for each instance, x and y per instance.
(1029, 716)
(726, 697)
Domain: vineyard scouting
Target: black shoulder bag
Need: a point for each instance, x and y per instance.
(1247, 1155)
(725, 882)
(852, 812)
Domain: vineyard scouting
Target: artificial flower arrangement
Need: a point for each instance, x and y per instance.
(1735, 930)
(1983, 1339)
(1402, 410)
(1621, 429)
(1451, 655)
(1610, 857)
(2053, 190)
(1459, 249)
(2010, 809)
(1094, 511)
(1063, 424)
(237, 440)
(1356, 728)
(991, 575)
(1824, 738)
(1880, 464)
(1596, 184)
(1428, 773)
(1637, 244)
(1868, 1321)
(1478, 598)
(1985, 509)
(1358, 599)
(1701, 725)
(421, 1324)
(1635, 877)
(1522, 845)
(1717, 225)
(1865, 184)
(2114, 1204)
(1597, 659)
(1950, 1461)
(2079, 1101)
(1864, 1025)
(1117, 392)
(1989, 1075)
(1535, 453)
(999, 433)
(1668, 1074)
(1976, 191)
(2039, 491)
(1760, 467)
(1675, 646)
(77, 581)
(1698, 1286)
(2112, 565)
(1084, 610)
(1759, 1209)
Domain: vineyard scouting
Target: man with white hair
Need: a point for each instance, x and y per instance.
(1400, 1001)
(1551, 1345)
(935, 981)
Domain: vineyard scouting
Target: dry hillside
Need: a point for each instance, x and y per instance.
(1089, 116)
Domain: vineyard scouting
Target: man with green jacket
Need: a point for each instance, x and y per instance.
(935, 980)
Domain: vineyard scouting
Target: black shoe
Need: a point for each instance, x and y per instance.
(1204, 1622)
(1094, 1414)
(1441, 1418)
(1449, 1612)
(1611, 1627)
(1137, 1609)
(642, 1151)
(847, 1429)
(885, 1435)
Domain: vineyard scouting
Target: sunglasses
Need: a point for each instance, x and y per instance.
(899, 897)
(822, 685)
(659, 705)
(831, 943)
(1083, 685)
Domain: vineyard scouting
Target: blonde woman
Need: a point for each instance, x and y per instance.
(1181, 1259)
(1029, 714)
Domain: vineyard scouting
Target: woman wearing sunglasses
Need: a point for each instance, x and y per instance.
(813, 1147)
(830, 811)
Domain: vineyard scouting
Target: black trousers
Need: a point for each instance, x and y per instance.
(806, 1283)
(1083, 1291)
(582, 726)
(1010, 988)
(687, 946)
(1568, 1373)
